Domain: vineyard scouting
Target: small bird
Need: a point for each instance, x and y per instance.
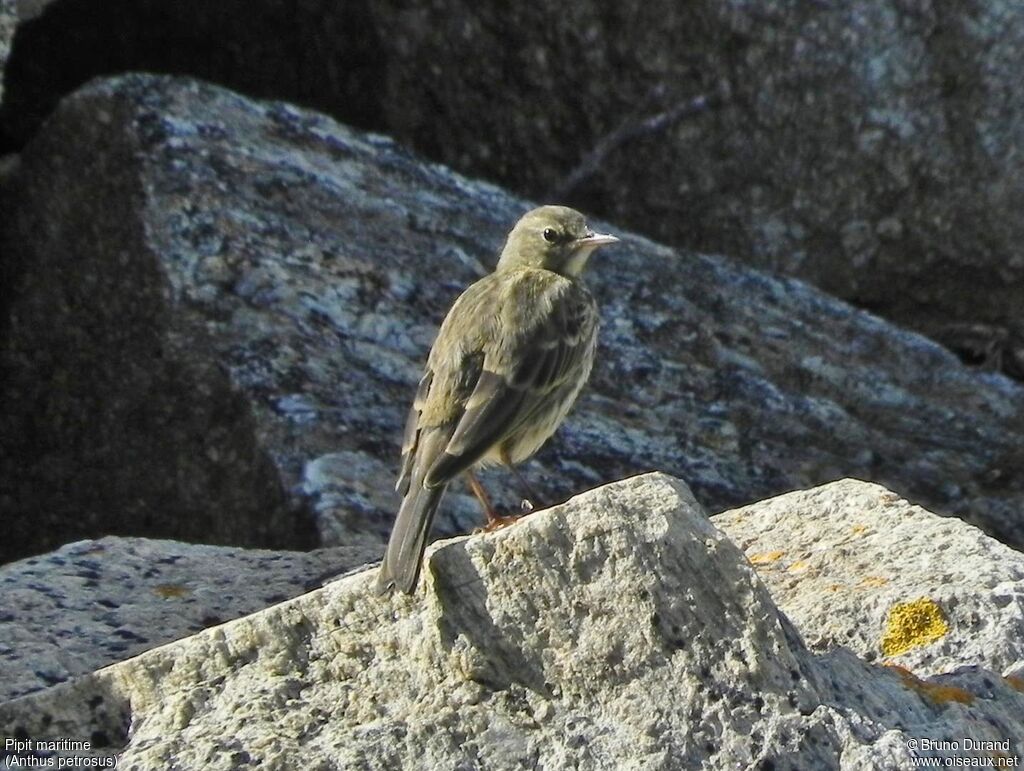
(509, 360)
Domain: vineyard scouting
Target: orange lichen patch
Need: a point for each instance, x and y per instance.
(798, 566)
(1015, 682)
(940, 694)
(766, 557)
(913, 624)
(170, 591)
(872, 581)
(859, 529)
(943, 694)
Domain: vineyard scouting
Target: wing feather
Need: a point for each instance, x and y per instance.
(538, 348)
(410, 438)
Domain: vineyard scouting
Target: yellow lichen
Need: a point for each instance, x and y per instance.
(859, 529)
(765, 557)
(798, 566)
(913, 624)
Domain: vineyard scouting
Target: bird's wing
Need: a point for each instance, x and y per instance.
(501, 351)
(412, 432)
(544, 329)
(453, 368)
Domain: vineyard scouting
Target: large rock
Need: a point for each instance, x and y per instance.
(873, 147)
(854, 565)
(621, 630)
(93, 603)
(222, 308)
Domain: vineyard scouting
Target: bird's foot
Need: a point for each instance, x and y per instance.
(498, 522)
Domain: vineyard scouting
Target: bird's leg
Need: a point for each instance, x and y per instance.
(494, 520)
(482, 496)
(531, 502)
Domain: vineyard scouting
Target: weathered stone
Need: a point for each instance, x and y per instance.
(93, 603)
(620, 630)
(223, 307)
(872, 147)
(854, 565)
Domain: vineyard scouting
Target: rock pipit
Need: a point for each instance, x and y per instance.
(509, 361)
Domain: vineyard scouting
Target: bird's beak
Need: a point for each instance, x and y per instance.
(594, 240)
(583, 248)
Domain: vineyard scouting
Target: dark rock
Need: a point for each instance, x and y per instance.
(873, 148)
(8, 23)
(321, 54)
(224, 306)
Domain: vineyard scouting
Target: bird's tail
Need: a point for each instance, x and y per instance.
(404, 555)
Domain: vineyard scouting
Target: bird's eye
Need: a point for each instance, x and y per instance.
(550, 235)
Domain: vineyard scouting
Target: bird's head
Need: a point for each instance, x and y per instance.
(555, 238)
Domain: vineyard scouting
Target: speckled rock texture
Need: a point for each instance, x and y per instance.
(222, 308)
(93, 603)
(872, 147)
(842, 559)
(620, 630)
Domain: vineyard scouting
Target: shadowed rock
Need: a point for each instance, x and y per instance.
(221, 308)
(871, 147)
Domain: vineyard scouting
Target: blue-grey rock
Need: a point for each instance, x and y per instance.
(870, 147)
(217, 296)
(94, 603)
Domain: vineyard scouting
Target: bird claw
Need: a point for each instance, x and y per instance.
(497, 522)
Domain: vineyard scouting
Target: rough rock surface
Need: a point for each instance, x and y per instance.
(618, 630)
(93, 603)
(841, 559)
(223, 306)
(873, 147)
(896, 186)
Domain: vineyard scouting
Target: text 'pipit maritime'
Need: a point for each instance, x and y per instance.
(510, 359)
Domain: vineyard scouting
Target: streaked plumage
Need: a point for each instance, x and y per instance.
(509, 360)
